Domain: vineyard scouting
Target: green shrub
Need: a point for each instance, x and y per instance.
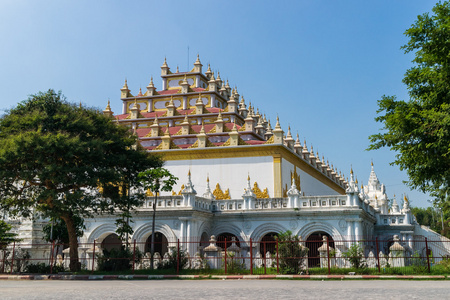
(43, 268)
(117, 260)
(419, 264)
(355, 256)
(291, 253)
(234, 265)
(21, 258)
(172, 262)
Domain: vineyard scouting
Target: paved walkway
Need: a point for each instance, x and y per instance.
(225, 289)
(227, 277)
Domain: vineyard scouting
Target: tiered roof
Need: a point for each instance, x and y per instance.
(198, 110)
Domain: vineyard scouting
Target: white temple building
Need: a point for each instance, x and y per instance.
(240, 178)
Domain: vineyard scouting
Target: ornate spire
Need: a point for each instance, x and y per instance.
(395, 207)
(234, 129)
(108, 107)
(269, 128)
(202, 130)
(293, 191)
(151, 85)
(289, 135)
(125, 85)
(135, 105)
(208, 72)
(197, 62)
(189, 187)
(184, 80)
(248, 192)
(167, 133)
(199, 99)
(208, 194)
(155, 121)
(278, 126)
(185, 121)
(165, 63)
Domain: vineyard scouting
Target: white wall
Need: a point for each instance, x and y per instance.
(309, 185)
(228, 172)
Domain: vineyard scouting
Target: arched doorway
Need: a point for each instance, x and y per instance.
(112, 241)
(204, 240)
(313, 243)
(268, 243)
(229, 237)
(161, 244)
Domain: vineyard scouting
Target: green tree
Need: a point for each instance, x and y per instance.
(56, 231)
(156, 180)
(355, 256)
(54, 155)
(6, 236)
(292, 254)
(418, 129)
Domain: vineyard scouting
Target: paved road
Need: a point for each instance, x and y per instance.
(225, 289)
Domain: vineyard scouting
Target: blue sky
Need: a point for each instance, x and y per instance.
(321, 65)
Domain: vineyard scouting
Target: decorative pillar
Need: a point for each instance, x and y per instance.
(397, 253)
(358, 230)
(323, 252)
(249, 196)
(293, 195)
(212, 254)
(189, 193)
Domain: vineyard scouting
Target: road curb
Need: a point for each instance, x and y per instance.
(222, 277)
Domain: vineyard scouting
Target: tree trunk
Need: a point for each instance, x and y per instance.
(152, 248)
(74, 265)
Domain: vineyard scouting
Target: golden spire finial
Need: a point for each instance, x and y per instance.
(165, 63)
(125, 85)
(351, 170)
(199, 100)
(207, 177)
(80, 103)
(189, 173)
(167, 130)
(248, 176)
(178, 70)
(108, 107)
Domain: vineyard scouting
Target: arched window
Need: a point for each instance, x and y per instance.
(229, 237)
(268, 243)
(112, 241)
(313, 243)
(161, 244)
